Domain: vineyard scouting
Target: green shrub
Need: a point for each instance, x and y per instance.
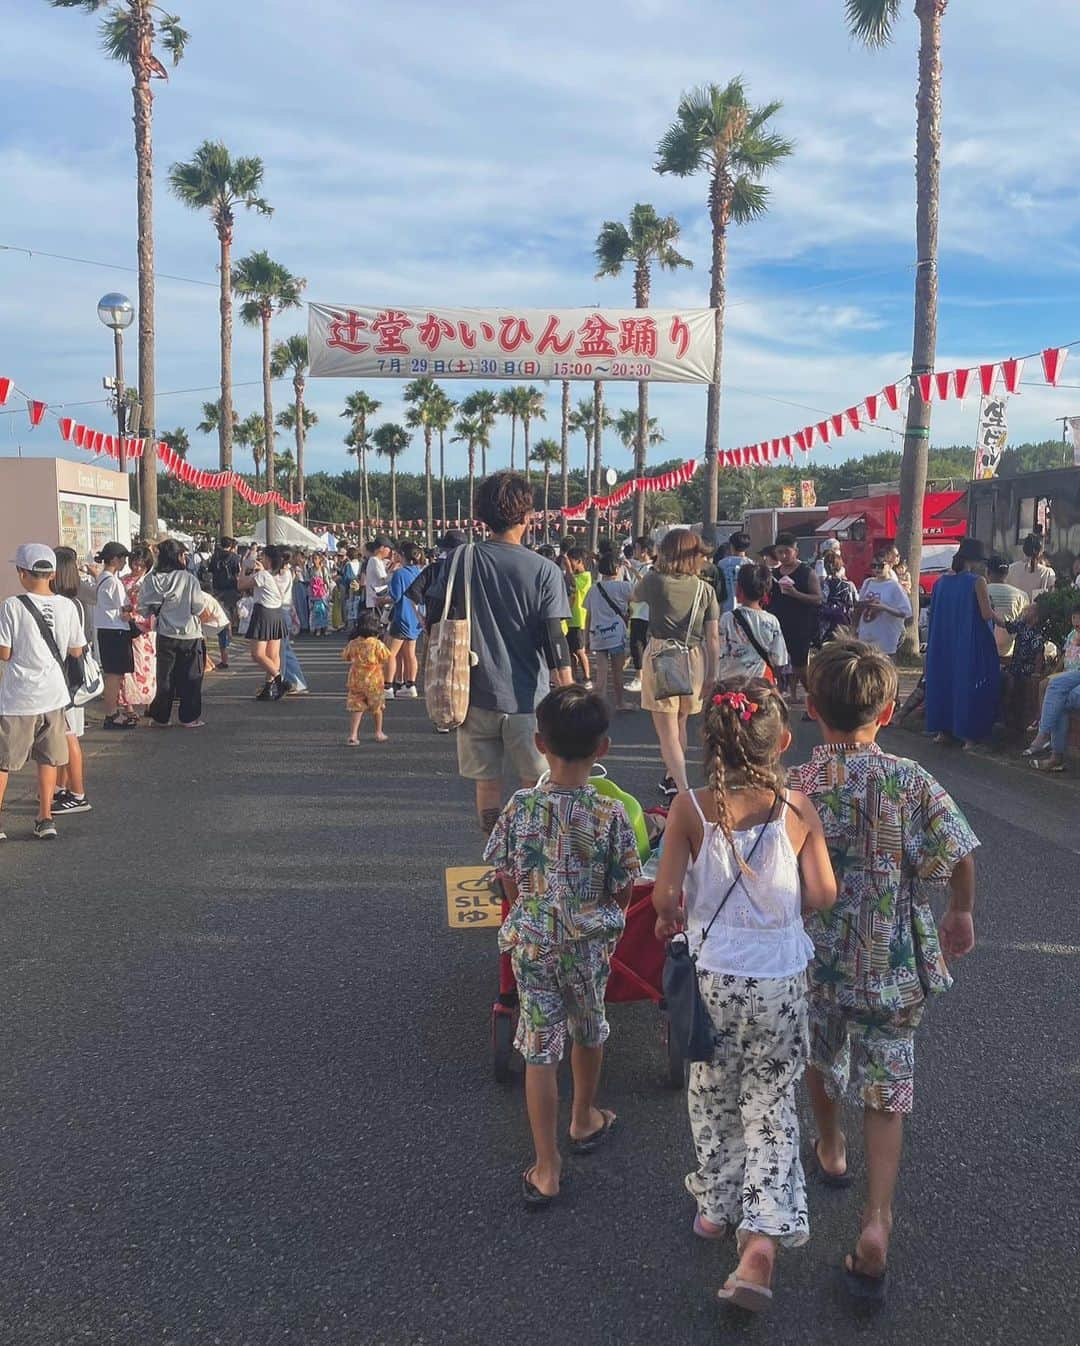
(1055, 608)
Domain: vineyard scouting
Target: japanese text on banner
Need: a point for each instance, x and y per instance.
(637, 345)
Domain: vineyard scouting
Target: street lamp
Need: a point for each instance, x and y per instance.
(117, 311)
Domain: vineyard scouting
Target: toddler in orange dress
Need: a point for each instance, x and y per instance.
(366, 655)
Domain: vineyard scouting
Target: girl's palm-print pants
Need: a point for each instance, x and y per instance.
(742, 1107)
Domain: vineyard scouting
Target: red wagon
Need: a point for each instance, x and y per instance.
(637, 967)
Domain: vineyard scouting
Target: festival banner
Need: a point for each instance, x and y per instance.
(636, 345)
(808, 494)
(991, 437)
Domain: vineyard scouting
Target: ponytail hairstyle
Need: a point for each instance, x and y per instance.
(744, 723)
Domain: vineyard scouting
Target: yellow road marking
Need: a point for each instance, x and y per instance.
(470, 902)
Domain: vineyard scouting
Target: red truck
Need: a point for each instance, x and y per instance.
(864, 524)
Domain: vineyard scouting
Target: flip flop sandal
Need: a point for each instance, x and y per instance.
(1045, 766)
(860, 1286)
(532, 1196)
(587, 1144)
(720, 1231)
(1035, 752)
(745, 1295)
(827, 1179)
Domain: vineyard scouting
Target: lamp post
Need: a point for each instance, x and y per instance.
(117, 311)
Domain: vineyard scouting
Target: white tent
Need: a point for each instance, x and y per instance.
(164, 529)
(291, 533)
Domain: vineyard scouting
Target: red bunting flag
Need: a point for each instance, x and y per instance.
(78, 434)
(787, 446)
(926, 386)
(942, 382)
(67, 425)
(891, 393)
(838, 424)
(6, 386)
(872, 407)
(808, 437)
(987, 376)
(1053, 361)
(852, 414)
(823, 431)
(36, 411)
(961, 379)
(1012, 371)
(800, 439)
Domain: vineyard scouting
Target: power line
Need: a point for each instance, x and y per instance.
(31, 253)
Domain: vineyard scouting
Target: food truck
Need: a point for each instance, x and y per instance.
(864, 524)
(60, 503)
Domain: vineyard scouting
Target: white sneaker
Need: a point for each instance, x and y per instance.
(409, 692)
(389, 693)
(634, 685)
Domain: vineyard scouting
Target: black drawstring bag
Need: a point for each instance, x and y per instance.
(691, 1023)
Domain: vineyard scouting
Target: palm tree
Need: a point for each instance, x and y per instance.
(266, 288)
(177, 440)
(421, 395)
(212, 180)
(250, 433)
(718, 132)
(292, 353)
(546, 452)
(564, 442)
(874, 23)
(285, 468)
(650, 238)
(129, 31)
(390, 440)
(662, 507)
(358, 407)
(580, 422)
(442, 413)
(211, 421)
(510, 404)
(531, 409)
(470, 432)
(627, 426)
(484, 405)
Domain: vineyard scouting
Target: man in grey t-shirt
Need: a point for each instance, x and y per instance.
(518, 606)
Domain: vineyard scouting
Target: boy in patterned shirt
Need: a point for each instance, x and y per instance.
(568, 858)
(891, 830)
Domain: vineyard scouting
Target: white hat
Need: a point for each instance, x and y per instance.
(831, 544)
(36, 558)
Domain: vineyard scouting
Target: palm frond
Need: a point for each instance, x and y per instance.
(117, 41)
(91, 6)
(749, 200)
(760, 115)
(755, 153)
(612, 248)
(872, 21)
(292, 353)
(680, 151)
(173, 38)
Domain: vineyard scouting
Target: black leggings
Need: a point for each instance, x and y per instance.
(639, 638)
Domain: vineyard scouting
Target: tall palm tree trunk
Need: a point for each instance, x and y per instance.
(719, 212)
(143, 22)
(298, 406)
(268, 427)
(564, 443)
(472, 490)
(365, 486)
(225, 409)
(513, 442)
(442, 475)
(393, 496)
(528, 451)
(913, 465)
(642, 285)
(547, 491)
(598, 454)
(428, 491)
(483, 464)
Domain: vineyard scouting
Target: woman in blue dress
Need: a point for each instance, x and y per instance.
(963, 669)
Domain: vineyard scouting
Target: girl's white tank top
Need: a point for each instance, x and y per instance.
(759, 932)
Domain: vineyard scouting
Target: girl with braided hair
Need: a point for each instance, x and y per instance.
(749, 857)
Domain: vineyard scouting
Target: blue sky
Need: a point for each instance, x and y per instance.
(469, 154)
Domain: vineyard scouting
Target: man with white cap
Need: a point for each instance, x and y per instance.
(38, 630)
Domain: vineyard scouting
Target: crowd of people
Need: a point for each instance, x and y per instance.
(802, 966)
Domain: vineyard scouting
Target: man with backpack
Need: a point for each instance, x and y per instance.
(38, 631)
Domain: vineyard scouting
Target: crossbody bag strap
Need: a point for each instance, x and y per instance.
(744, 626)
(450, 578)
(616, 610)
(694, 613)
(739, 873)
(47, 636)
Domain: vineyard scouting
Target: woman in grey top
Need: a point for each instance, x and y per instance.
(173, 594)
(685, 609)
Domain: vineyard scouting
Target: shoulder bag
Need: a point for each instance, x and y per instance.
(672, 670)
(450, 658)
(82, 676)
(613, 606)
(688, 1015)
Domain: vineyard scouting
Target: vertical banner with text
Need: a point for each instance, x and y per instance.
(990, 440)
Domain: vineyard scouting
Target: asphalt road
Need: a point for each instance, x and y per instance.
(247, 1097)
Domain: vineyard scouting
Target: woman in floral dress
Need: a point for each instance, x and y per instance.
(139, 688)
